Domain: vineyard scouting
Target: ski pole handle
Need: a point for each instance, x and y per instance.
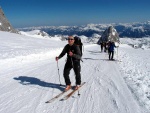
(57, 59)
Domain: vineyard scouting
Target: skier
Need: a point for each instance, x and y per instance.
(111, 46)
(101, 44)
(73, 61)
(105, 48)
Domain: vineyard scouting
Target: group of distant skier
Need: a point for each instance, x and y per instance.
(110, 45)
(74, 53)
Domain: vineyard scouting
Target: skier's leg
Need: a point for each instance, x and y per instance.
(77, 70)
(67, 69)
(101, 47)
(112, 55)
(109, 54)
(105, 47)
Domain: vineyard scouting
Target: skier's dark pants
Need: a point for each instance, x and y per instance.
(105, 48)
(101, 47)
(77, 69)
(111, 54)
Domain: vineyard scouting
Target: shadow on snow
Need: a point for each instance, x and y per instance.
(96, 59)
(24, 80)
(90, 59)
(94, 52)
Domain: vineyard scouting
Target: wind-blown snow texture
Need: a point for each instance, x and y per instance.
(29, 77)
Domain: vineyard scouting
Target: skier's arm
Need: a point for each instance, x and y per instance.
(115, 46)
(77, 55)
(62, 53)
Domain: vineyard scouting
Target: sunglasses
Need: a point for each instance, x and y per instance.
(70, 39)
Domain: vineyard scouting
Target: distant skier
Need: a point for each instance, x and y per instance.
(111, 46)
(73, 61)
(105, 48)
(101, 44)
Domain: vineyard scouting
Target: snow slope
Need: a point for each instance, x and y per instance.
(135, 67)
(29, 77)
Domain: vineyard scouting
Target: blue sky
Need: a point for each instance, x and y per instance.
(26, 13)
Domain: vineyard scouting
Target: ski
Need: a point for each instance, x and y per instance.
(72, 92)
(57, 96)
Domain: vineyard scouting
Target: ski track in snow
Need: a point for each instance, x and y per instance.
(26, 88)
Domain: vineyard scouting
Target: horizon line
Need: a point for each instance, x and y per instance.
(81, 25)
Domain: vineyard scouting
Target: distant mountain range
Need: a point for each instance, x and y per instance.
(133, 30)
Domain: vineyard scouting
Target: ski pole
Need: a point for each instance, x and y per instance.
(117, 54)
(58, 73)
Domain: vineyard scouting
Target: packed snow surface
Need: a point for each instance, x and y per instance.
(29, 77)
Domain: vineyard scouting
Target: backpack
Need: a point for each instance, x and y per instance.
(78, 43)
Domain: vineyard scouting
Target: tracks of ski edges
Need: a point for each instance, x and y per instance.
(66, 97)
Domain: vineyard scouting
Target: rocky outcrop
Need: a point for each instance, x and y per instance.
(5, 24)
(110, 34)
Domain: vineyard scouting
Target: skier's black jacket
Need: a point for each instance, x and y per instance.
(74, 49)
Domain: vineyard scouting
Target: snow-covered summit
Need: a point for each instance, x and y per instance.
(35, 33)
